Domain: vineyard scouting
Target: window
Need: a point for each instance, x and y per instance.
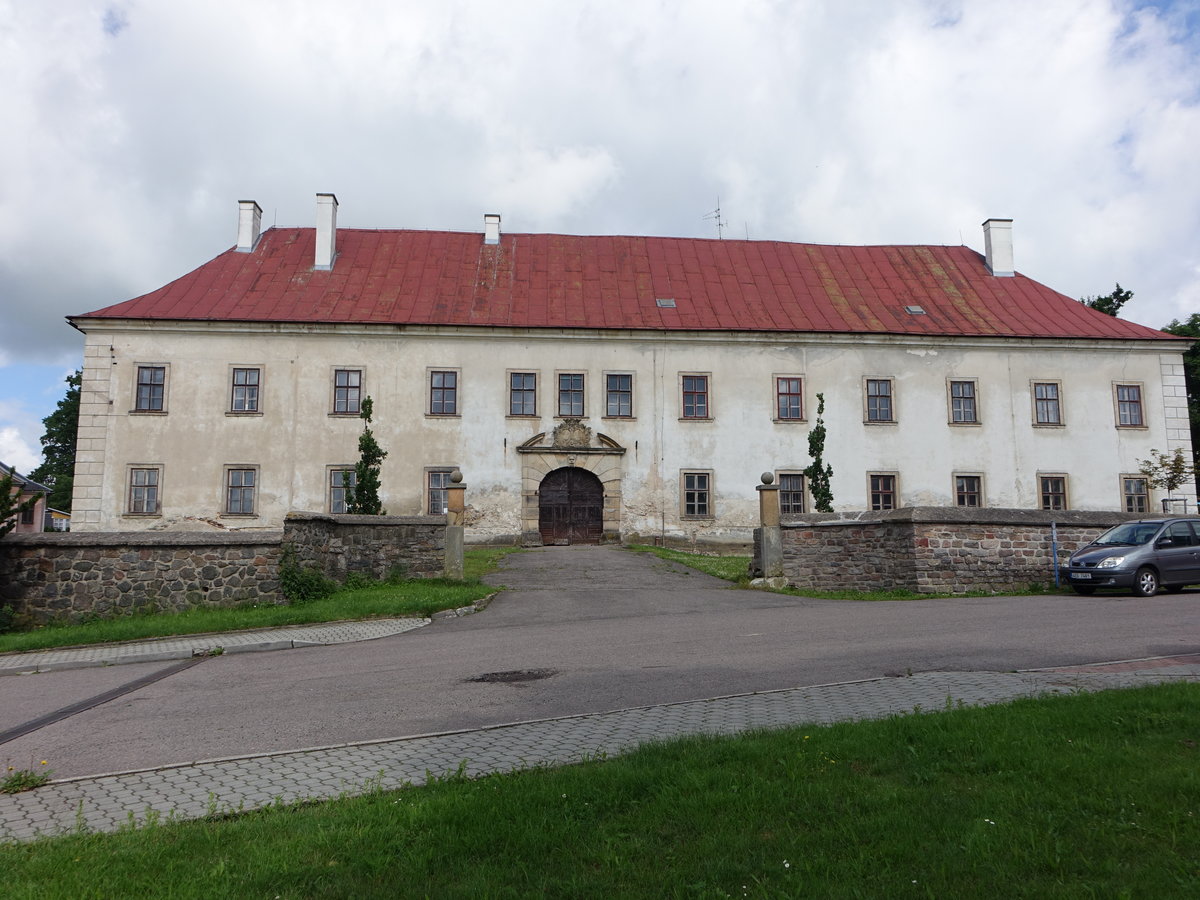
(239, 491)
(791, 494)
(347, 391)
(443, 393)
(697, 488)
(883, 491)
(1129, 406)
(143, 491)
(619, 396)
(1053, 491)
(1137, 493)
(27, 515)
(968, 490)
(341, 483)
(437, 481)
(151, 388)
(879, 401)
(245, 391)
(695, 396)
(789, 399)
(962, 403)
(570, 395)
(1046, 407)
(522, 394)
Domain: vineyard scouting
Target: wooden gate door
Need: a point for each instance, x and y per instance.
(571, 507)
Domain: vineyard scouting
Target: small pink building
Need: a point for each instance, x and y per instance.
(34, 518)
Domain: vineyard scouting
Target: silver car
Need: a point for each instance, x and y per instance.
(1143, 555)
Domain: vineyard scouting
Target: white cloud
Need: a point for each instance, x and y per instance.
(910, 122)
(16, 451)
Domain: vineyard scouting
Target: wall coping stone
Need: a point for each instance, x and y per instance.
(930, 515)
(144, 538)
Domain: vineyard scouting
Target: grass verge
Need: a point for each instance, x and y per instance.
(1092, 795)
(417, 597)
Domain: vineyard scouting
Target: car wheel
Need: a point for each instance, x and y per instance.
(1173, 588)
(1085, 589)
(1145, 582)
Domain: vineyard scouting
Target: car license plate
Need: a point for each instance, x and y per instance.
(1081, 576)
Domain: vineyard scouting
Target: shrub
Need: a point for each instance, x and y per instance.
(302, 584)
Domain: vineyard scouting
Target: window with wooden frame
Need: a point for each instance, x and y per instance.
(696, 499)
(341, 484)
(522, 393)
(570, 395)
(241, 485)
(436, 483)
(1047, 403)
(880, 406)
(143, 490)
(789, 398)
(347, 392)
(243, 397)
(791, 493)
(964, 408)
(968, 490)
(695, 397)
(1128, 398)
(443, 392)
(882, 487)
(1135, 492)
(150, 395)
(1053, 491)
(618, 395)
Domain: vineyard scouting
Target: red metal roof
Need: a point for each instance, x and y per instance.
(399, 277)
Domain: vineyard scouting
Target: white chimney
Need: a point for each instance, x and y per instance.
(491, 228)
(249, 223)
(997, 246)
(326, 231)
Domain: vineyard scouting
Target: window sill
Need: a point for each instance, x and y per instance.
(147, 412)
(620, 418)
(431, 415)
(705, 518)
(1049, 425)
(524, 416)
(880, 422)
(229, 515)
(580, 418)
(240, 414)
(965, 424)
(1133, 428)
(344, 415)
(779, 421)
(133, 515)
(695, 418)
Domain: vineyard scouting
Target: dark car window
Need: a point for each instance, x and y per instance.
(1181, 534)
(1136, 533)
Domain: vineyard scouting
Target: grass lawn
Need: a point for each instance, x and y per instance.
(1091, 795)
(418, 597)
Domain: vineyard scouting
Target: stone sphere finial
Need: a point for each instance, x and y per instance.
(768, 477)
(456, 476)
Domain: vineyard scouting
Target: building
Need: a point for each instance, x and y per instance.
(620, 386)
(36, 517)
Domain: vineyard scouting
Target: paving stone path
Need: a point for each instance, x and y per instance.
(109, 802)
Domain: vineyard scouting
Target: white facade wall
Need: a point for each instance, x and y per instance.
(295, 439)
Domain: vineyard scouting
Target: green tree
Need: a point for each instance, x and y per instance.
(819, 473)
(10, 506)
(1168, 471)
(363, 496)
(57, 470)
(1109, 304)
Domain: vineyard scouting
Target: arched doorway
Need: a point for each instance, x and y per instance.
(571, 507)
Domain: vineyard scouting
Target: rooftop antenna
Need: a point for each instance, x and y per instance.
(716, 214)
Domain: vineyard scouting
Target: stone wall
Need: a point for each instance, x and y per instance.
(935, 549)
(69, 577)
(368, 545)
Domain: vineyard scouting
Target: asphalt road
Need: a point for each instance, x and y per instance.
(580, 629)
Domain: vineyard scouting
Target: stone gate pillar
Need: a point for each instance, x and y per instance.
(769, 535)
(455, 524)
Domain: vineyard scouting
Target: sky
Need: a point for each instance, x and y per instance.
(133, 127)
